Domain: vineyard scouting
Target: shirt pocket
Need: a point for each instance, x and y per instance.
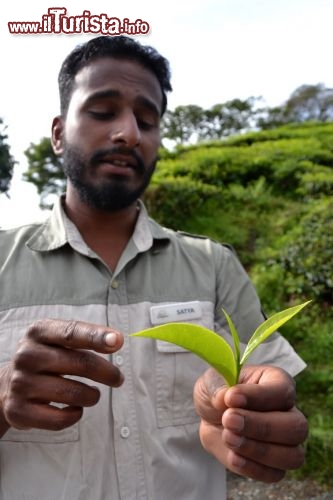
(12, 328)
(176, 373)
(70, 434)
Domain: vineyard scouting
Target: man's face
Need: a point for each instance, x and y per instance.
(111, 133)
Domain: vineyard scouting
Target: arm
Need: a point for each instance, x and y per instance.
(34, 377)
(253, 428)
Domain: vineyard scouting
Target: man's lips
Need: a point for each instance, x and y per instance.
(120, 161)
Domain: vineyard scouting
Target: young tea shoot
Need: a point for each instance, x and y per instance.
(212, 348)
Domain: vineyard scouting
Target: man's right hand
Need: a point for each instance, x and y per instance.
(35, 378)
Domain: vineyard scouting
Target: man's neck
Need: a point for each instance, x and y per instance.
(106, 233)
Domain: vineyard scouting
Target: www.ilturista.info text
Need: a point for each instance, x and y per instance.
(56, 22)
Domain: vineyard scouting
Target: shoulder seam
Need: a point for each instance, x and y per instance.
(205, 237)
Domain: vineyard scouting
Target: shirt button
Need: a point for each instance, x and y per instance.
(119, 360)
(125, 432)
(114, 284)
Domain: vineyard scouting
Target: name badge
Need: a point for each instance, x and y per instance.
(180, 311)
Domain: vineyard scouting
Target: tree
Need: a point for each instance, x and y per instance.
(229, 118)
(182, 124)
(306, 103)
(310, 102)
(44, 170)
(7, 161)
(192, 123)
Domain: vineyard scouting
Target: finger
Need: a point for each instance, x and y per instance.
(262, 388)
(270, 455)
(46, 389)
(44, 359)
(214, 442)
(76, 335)
(206, 389)
(253, 470)
(289, 427)
(44, 416)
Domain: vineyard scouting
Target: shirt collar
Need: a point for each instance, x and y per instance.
(51, 235)
(58, 230)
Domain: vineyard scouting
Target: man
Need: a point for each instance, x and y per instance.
(86, 411)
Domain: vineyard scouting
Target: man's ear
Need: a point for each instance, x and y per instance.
(57, 137)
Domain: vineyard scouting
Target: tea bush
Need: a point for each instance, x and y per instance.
(269, 195)
(307, 261)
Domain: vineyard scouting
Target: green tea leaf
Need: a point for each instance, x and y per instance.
(201, 341)
(270, 326)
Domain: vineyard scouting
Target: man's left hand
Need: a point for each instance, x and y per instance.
(253, 428)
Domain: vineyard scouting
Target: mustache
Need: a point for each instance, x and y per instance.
(99, 155)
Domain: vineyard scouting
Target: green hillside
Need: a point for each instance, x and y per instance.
(269, 194)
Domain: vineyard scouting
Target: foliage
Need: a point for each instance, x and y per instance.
(312, 335)
(191, 123)
(253, 177)
(306, 103)
(44, 170)
(186, 124)
(7, 161)
(310, 102)
(174, 201)
(281, 157)
(307, 260)
(229, 118)
(271, 200)
(181, 124)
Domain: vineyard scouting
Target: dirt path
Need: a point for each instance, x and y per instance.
(287, 489)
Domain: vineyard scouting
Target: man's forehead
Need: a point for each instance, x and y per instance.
(107, 72)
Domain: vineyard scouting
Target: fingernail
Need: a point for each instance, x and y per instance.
(238, 401)
(238, 461)
(236, 423)
(234, 440)
(111, 339)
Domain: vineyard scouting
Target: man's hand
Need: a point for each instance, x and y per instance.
(35, 376)
(253, 428)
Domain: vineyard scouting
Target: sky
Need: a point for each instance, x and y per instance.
(218, 50)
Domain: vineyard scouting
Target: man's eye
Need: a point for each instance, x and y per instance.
(145, 125)
(101, 115)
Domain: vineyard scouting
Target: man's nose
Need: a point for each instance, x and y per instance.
(126, 131)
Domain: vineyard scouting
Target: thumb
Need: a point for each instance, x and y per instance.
(208, 395)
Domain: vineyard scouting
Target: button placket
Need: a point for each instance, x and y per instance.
(127, 447)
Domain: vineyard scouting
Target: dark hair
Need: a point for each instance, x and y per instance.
(121, 47)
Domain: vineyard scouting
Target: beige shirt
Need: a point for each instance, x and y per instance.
(140, 441)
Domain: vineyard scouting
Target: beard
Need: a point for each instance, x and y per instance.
(114, 193)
